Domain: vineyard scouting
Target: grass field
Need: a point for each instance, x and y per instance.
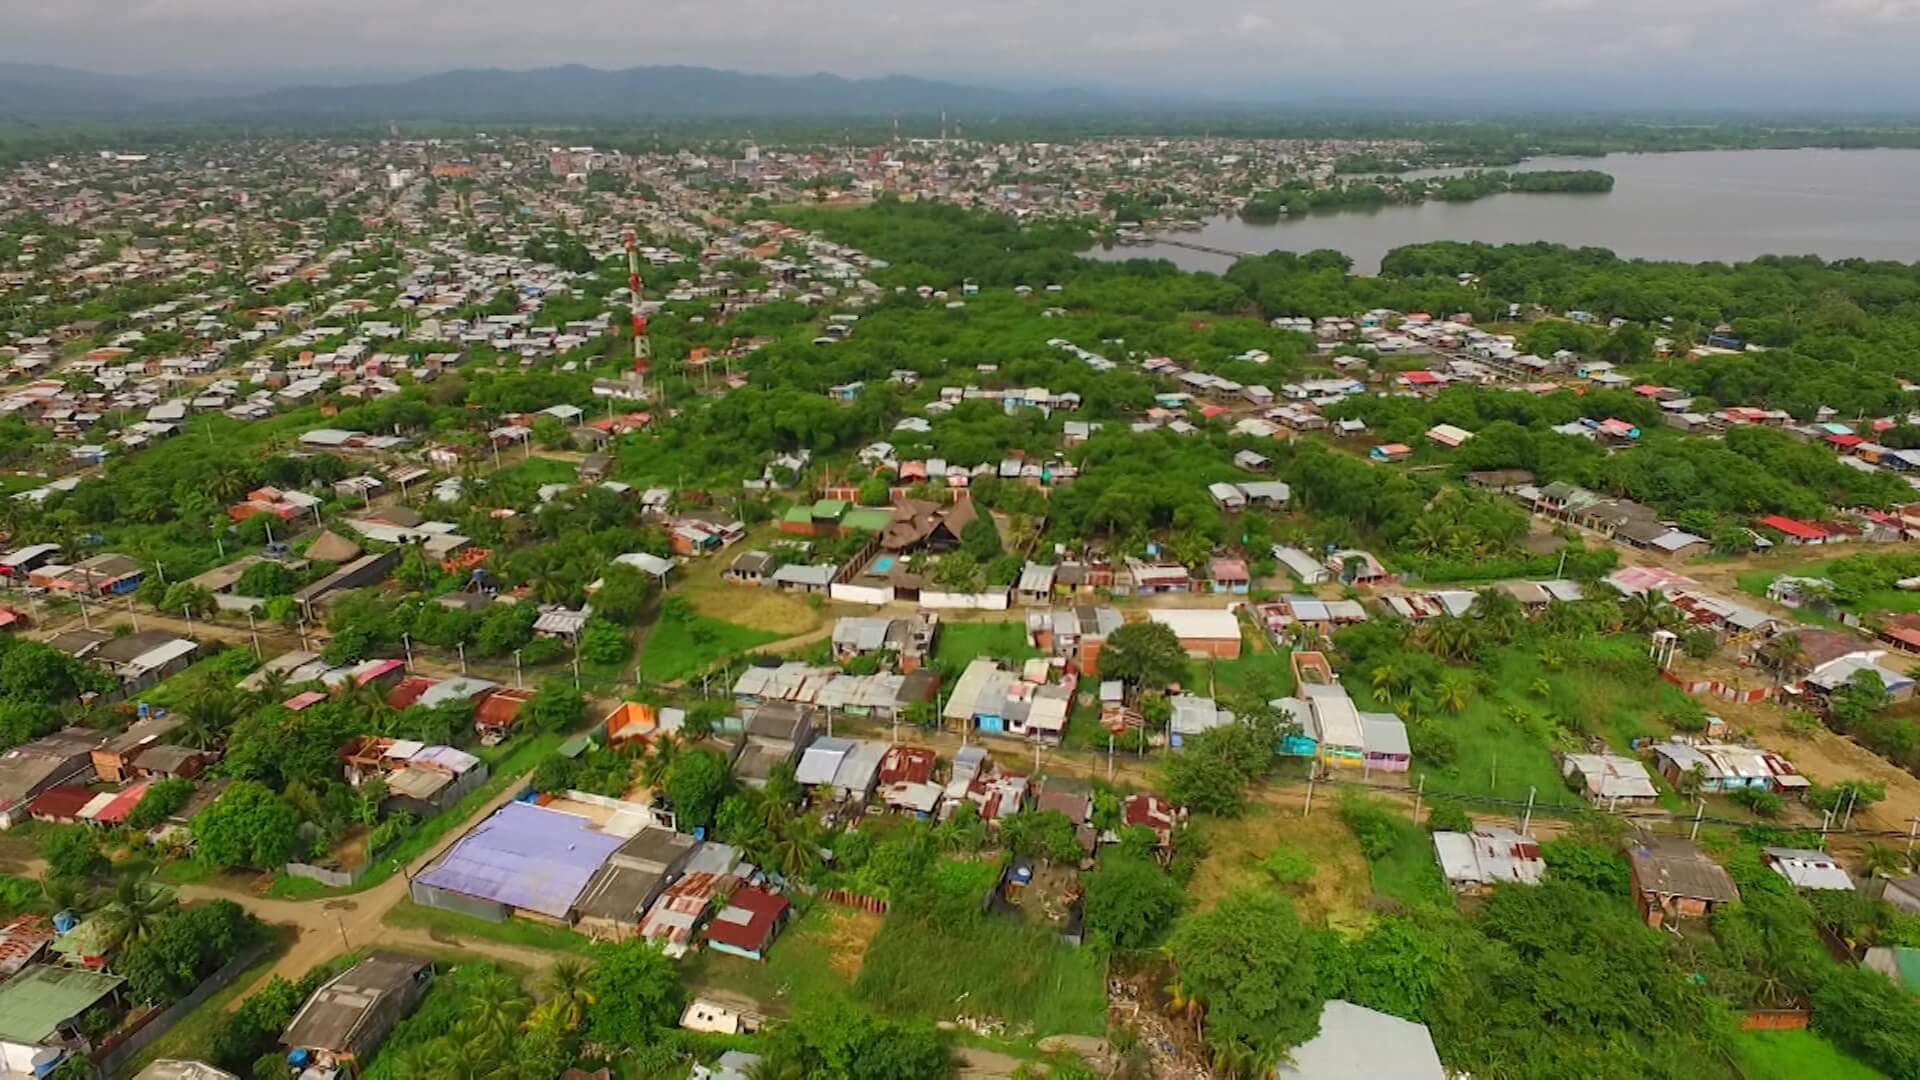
(674, 651)
(702, 582)
(1268, 673)
(818, 955)
(1337, 892)
(192, 1038)
(1794, 1055)
(987, 965)
(961, 642)
(451, 927)
(1408, 873)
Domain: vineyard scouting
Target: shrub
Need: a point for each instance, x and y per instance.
(1448, 817)
(1372, 825)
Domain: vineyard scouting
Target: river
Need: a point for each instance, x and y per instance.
(1724, 205)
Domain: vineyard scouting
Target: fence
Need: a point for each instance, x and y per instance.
(1716, 688)
(1775, 1020)
(846, 899)
(338, 879)
(148, 1029)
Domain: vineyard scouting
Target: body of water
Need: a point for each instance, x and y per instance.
(1724, 205)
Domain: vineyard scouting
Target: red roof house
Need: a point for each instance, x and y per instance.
(747, 925)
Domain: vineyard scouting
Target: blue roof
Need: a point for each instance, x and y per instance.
(525, 856)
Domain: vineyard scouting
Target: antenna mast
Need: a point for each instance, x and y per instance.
(642, 348)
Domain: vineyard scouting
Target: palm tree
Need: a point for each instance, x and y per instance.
(1389, 682)
(495, 1007)
(1453, 694)
(1499, 611)
(1551, 658)
(135, 908)
(1783, 653)
(1648, 611)
(1540, 688)
(659, 760)
(1883, 861)
(1303, 636)
(797, 851)
(1427, 536)
(569, 989)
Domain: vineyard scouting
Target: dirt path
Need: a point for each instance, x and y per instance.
(328, 928)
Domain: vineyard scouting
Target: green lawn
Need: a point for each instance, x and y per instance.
(810, 961)
(192, 1038)
(961, 642)
(1268, 673)
(536, 470)
(1794, 1055)
(451, 926)
(675, 650)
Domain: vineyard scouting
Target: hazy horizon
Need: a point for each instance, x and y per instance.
(1775, 54)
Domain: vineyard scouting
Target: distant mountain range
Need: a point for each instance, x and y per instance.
(571, 91)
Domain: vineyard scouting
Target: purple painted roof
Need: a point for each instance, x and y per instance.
(525, 856)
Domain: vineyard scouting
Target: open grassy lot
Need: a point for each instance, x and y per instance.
(1267, 673)
(984, 965)
(674, 651)
(1408, 873)
(818, 955)
(1794, 1055)
(702, 582)
(1337, 891)
(960, 642)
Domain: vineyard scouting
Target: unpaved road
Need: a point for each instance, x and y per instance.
(328, 928)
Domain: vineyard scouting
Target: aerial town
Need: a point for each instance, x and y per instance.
(479, 607)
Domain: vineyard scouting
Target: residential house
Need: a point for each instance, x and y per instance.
(1809, 870)
(746, 926)
(1474, 862)
(638, 871)
(1609, 779)
(40, 1016)
(749, 568)
(347, 1019)
(1358, 1043)
(1672, 879)
(775, 734)
(1193, 715)
(1203, 632)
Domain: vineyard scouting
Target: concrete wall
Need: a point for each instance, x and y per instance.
(862, 594)
(964, 601)
(430, 896)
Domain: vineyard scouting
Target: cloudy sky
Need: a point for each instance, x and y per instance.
(1822, 51)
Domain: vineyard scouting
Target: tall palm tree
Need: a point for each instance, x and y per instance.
(135, 908)
(1647, 612)
(1499, 611)
(569, 989)
(659, 760)
(797, 851)
(1453, 693)
(1389, 682)
(495, 1007)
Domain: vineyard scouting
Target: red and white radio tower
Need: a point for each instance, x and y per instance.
(642, 349)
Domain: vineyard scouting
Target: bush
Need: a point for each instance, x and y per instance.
(159, 803)
(73, 853)
(1129, 902)
(542, 650)
(1372, 825)
(185, 947)
(1448, 817)
(1288, 865)
(1764, 803)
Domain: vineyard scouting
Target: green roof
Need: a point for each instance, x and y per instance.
(91, 938)
(829, 508)
(39, 999)
(872, 519)
(800, 515)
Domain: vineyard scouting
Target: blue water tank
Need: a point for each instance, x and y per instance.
(64, 921)
(298, 1058)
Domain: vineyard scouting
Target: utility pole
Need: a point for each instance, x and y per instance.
(517, 683)
(1699, 812)
(462, 646)
(1526, 821)
(1419, 793)
(1912, 834)
(406, 642)
(253, 631)
(1308, 810)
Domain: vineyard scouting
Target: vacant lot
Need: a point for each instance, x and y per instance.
(675, 650)
(961, 642)
(983, 965)
(818, 955)
(1337, 891)
(702, 582)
